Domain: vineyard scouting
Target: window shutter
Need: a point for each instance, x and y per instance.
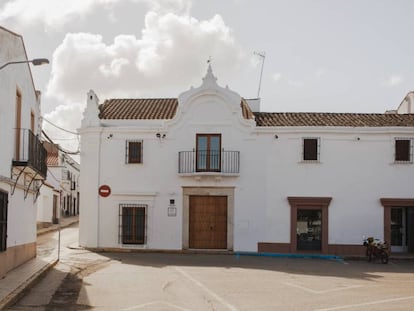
(310, 149)
(402, 150)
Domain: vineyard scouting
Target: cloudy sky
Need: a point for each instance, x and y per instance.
(321, 55)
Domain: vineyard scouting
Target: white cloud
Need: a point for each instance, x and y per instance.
(277, 77)
(394, 80)
(280, 78)
(171, 53)
(53, 14)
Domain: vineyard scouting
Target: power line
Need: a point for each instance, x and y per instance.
(60, 148)
(60, 128)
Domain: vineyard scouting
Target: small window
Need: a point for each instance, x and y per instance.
(133, 152)
(132, 223)
(310, 149)
(403, 150)
(3, 221)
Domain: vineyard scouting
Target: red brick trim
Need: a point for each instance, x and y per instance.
(309, 203)
(282, 248)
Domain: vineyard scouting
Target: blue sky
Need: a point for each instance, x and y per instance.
(321, 55)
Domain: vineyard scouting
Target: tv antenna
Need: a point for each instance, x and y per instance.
(262, 55)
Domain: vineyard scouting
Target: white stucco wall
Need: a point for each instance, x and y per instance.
(356, 173)
(21, 227)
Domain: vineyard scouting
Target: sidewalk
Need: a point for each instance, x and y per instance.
(19, 280)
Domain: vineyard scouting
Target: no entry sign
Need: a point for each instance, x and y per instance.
(104, 191)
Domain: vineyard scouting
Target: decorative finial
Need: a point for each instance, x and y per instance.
(209, 77)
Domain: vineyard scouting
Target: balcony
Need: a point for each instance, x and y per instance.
(209, 162)
(30, 155)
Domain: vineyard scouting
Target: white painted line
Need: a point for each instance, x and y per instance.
(318, 292)
(157, 302)
(217, 297)
(367, 303)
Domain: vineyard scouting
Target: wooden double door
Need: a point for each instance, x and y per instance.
(208, 222)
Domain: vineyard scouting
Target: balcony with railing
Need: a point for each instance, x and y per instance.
(30, 155)
(209, 162)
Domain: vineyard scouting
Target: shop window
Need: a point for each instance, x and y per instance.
(309, 229)
(133, 151)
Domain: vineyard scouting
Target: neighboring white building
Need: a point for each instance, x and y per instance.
(204, 171)
(22, 156)
(60, 194)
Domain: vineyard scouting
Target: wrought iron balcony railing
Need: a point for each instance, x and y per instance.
(29, 152)
(209, 161)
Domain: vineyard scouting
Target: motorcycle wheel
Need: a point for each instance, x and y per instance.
(384, 258)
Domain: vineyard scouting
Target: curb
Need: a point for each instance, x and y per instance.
(55, 228)
(16, 294)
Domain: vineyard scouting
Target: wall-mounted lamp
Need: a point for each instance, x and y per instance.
(158, 135)
(164, 135)
(276, 137)
(110, 136)
(358, 139)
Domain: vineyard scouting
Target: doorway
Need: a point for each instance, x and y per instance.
(402, 227)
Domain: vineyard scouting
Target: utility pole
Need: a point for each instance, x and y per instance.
(262, 55)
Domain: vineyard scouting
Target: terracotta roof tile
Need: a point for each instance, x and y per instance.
(333, 119)
(140, 108)
(52, 159)
(165, 109)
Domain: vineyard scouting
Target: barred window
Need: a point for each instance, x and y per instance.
(3, 221)
(132, 223)
(133, 151)
(311, 149)
(403, 150)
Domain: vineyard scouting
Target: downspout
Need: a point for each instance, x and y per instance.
(99, 182)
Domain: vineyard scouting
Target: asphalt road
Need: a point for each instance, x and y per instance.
(158, 281)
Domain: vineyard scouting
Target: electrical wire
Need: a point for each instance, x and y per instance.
(60, 148)
(60, 128)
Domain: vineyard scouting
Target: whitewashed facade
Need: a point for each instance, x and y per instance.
(59, 197)
(22, 157)
(213, 174)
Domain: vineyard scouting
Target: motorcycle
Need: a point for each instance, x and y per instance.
(376, 248)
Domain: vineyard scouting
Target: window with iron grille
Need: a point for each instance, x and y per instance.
(132, 223)
(133, 153)
(3, 221)
(311, 148)
(403, 150)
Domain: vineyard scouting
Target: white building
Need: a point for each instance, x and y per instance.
(208, 170)
(22, 156)
(59, 197)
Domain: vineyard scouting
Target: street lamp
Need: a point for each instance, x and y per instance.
(35, 62)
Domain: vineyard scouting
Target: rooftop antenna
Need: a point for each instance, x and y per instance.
(262, 55)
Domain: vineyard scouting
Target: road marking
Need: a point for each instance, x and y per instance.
(367, 303)
(217, 297)
(309, 290)
(155, 303)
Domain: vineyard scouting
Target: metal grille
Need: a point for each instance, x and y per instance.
(133, 151)
(226, 162)
(311, 149)
(3, 221)
(132, 223)
(403, 150)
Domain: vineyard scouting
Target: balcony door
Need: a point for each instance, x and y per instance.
(208, 155)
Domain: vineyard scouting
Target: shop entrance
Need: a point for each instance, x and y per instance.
(402, 229)
(309, 229)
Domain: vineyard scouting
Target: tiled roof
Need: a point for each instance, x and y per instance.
(165, 109)
(52, 159)
(247, 112)
(333, 119)
(140, 108)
